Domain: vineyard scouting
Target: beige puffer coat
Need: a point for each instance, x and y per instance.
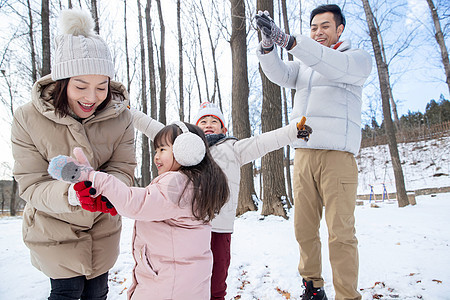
(66, 241)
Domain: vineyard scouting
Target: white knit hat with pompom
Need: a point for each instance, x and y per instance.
(79, 51)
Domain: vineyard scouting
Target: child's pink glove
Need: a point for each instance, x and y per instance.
(68, 169)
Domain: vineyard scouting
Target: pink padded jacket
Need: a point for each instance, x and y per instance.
(170, 247)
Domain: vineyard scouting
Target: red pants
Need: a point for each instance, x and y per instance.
(220, 247)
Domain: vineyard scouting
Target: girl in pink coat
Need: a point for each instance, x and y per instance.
(171, 239)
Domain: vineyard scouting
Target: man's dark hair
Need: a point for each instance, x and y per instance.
(333, 8)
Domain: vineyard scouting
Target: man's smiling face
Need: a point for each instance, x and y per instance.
(324, 30)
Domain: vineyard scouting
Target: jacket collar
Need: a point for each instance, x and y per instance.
(342, 45)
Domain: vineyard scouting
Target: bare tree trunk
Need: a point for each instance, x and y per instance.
(151, 72)
(391, 96)
(145, 167)
(127, 57)
(12, 201)
(239, 96)
(441, 42)
(213, 46)
(191, 52)
(180, 62)
(45, 20)
(70, 4)
(162, 67)
(3, 200)
(33, 52)
(193, 62)
(95, 15)
(287, 159)
(274, 189)
(203, 63)
(383, 76)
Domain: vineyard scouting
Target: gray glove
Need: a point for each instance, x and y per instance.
(266, 33)
(271, 33)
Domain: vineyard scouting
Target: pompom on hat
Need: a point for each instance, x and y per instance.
(78, 50)
(209, 109)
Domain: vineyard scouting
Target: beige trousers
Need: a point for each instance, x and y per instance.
(327, 178)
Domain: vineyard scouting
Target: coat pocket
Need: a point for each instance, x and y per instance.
(145, 259)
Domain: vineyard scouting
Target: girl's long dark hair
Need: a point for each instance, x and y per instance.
(61, 101)
(210, 183)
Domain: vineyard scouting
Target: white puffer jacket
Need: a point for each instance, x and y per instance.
(230, 154)
(328, 86)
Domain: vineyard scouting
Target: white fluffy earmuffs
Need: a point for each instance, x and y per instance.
(188, 148)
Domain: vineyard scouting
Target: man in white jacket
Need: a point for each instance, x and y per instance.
(328, 77)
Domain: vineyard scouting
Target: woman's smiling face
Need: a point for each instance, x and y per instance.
(86, 92)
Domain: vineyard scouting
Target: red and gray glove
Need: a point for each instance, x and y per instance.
(271, 33)
(100, 203)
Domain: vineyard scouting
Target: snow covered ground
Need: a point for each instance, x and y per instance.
(425, 164)
(404, 252)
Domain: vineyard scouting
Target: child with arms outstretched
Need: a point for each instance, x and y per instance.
(230, 154)
(171, 242)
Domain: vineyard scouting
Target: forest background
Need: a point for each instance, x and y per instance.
(172, 55)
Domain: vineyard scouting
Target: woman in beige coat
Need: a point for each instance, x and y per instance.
(76, 106)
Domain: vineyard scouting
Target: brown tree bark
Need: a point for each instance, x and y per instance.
(12, 201)
(45, 20)
(145, 167)
(383, 76)
(439, 36)
(152, 75)
(162, 67)
(33, 52)
(180, 62)
(287, 159)
(239, 95)
(94, 13)
(391, 96)
(274, 190)
(127, 56)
